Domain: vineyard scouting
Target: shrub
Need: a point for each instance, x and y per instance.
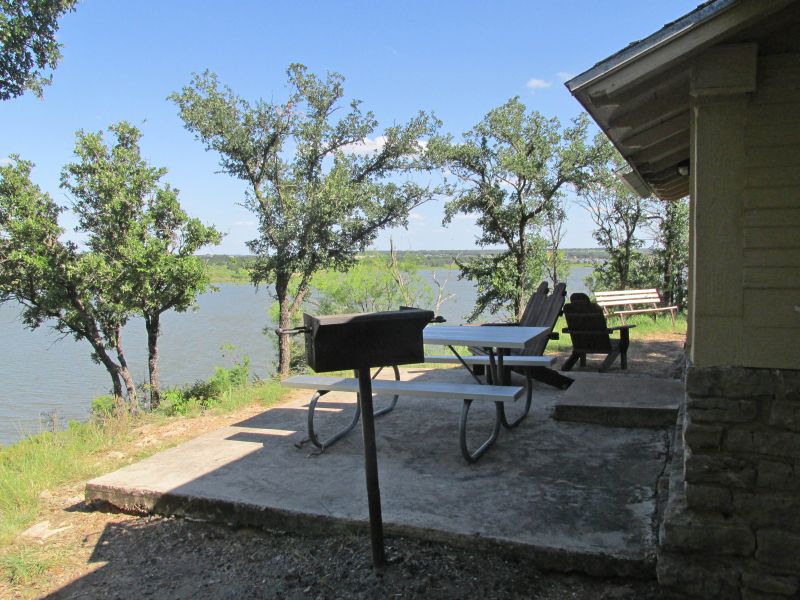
(103, 406)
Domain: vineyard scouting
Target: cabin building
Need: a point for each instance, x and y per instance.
(709, 107)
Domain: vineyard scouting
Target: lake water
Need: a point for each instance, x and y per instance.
(42, 373)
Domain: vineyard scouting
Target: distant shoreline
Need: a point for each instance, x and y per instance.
(235, 268)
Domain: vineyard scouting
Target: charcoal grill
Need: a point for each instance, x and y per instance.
(361, 342)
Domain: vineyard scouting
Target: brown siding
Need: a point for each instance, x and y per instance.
(771, 218)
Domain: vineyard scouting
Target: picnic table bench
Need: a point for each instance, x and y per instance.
(633, 302)
(467, 392)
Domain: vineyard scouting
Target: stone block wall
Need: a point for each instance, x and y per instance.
(732, 525)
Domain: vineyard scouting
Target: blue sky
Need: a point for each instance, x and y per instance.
(457, 59)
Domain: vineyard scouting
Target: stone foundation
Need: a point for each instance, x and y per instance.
(731, 528)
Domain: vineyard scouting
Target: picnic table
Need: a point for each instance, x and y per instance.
(498, 342)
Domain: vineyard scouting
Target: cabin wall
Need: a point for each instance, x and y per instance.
(732, 524)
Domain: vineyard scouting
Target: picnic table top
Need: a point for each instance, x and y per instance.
(486, 336)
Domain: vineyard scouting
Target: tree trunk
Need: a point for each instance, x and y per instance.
(111, 367)
(520, 292)
(153, 325)
(284, 343)
(133, 404)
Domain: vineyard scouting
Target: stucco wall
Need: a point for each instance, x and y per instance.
(771, 217)
(746, 195)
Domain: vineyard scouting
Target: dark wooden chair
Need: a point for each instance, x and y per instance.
(586, 325)
(542, 310)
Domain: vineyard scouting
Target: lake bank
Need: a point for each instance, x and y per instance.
(42, 373)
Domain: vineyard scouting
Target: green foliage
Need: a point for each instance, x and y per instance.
(497, 280)
(671, 251)
(318, 200)
(200, 395)
(28, 44)
(104, 406)
(512, 168)
(618, 214)
(141, 240)
(228, 269)
(371, 285)
(53, 282)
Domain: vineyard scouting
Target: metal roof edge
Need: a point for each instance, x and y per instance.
(680, 27)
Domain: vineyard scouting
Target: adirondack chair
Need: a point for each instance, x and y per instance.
(542, 310)
(586, 325)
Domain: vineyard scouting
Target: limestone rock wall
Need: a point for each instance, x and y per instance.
(732, 524)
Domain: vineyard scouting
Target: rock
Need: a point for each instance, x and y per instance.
(45, 494)
(43, 531)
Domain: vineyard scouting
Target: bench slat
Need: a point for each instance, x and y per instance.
(624, 299)
(628, 292)
(509, 361)
(472, 391)
(645, 310)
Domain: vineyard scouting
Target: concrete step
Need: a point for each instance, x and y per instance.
(620, 400)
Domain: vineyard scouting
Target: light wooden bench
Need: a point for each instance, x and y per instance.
(634, 302)
(467, 392)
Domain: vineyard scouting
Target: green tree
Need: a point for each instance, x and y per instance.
(318, 201)
(54, 283)
(511, 168)
(135, 226)
(556, 265)
(373, 283)
(28, 45)
(619, 214)
(670, 222)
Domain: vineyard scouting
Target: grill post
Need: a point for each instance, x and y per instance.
(371, 468)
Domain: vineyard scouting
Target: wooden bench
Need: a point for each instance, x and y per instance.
(467, 392)
(634, 302)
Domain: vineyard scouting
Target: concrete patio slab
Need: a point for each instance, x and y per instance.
(620, 400)
(568, 496)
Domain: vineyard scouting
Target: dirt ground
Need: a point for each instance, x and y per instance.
(93, 551)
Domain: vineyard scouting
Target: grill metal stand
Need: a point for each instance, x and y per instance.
(360, 342)
(371, 468)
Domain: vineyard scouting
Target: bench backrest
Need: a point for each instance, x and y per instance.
(628, 297)
(545, 314)
(587, 325)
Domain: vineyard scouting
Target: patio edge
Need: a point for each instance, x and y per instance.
(235, 513)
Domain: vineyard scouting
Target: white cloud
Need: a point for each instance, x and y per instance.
(415, 216)
(4, 162)
(366, 146)
(538, 84)
(245, 223)
(565, 75)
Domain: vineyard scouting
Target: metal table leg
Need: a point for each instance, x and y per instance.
(472, 456)
(326, 443)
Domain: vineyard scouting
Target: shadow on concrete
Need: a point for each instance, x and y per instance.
(567, 496)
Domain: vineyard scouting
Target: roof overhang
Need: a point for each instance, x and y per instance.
(640, 96)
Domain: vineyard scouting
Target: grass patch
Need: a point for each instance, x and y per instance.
(53, 459)
(25, 564)
(50, 459)
(646, 327)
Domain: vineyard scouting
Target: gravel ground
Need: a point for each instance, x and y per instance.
(150, 557)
